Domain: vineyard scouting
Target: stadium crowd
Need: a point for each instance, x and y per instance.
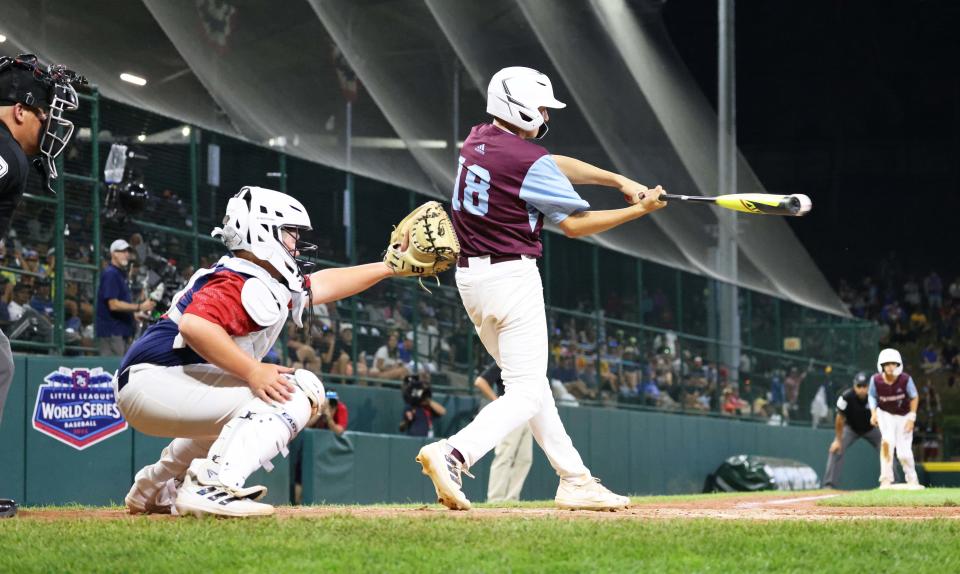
(376, 342)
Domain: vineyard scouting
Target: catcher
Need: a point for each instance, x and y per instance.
(196, 376)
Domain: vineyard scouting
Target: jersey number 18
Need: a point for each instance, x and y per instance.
(473, 195)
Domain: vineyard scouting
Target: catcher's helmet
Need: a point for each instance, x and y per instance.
(256, 220)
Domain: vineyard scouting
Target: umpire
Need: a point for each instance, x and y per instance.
(32, 102)
(852, 423)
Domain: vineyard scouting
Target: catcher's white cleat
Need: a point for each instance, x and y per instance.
(586, 493)
(202, 494)
(444, 470)
(148, 498)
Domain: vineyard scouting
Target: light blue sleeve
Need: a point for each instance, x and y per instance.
(912, 389)
(872, 395)
(547, 190)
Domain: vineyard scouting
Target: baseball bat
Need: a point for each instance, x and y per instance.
(796, 205)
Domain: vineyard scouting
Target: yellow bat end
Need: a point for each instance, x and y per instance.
(767, 204)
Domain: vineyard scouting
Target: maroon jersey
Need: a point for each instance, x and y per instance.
(505, 186)
(894, 398)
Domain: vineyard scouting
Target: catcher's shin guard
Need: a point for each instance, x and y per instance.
(260, 432)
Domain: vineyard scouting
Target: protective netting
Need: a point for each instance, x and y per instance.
(413, 73)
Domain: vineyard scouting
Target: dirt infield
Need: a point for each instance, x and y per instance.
(740, 508)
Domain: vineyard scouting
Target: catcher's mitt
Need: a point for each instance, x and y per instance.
(423, 244)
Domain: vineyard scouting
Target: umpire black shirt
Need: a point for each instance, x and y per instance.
(855, 412)
(13, 177)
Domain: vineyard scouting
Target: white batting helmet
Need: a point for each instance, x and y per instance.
(890, 356)
(516, 94)
(255, 221)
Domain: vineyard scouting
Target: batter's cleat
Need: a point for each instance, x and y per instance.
(444, 470)
(8, 508)
(202, 495)
(885, 485)
(913, 486)
(586, 493)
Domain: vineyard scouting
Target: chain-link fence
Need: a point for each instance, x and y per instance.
(623, 330)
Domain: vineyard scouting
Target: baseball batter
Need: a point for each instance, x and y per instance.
(196, 375)
(506, 186)
(893, 402)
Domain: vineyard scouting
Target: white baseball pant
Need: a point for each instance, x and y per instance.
(505, 304)
(894, 437)
(193, 404)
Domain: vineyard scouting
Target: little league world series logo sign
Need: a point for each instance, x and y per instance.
(78, 407)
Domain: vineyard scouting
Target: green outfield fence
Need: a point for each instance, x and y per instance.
(595, 296)
(636, 452)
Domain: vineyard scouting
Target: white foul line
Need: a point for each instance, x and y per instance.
(786, 501)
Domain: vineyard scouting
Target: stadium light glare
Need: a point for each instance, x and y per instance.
(185, 131)
(141, 137)
(135, 80)
(2, 38)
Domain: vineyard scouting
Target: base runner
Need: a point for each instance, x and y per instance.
(893, 405)
(506, 186)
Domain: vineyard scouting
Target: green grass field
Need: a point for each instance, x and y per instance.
(928, 497)
(441, 541)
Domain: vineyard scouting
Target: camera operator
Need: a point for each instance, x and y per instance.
(333, 415)
(421, 408)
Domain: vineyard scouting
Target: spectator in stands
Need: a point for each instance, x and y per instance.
(933, 288)
(386, 361)
(333, 415)
(41, 299)
(343, 355)
(911, 292)
(732, 404)
(955, 290)
(421, 409)
(918, 322)
(19, 302)
(566, 373)
(777, 400)
(6, 295)
(302, 353)
(791, 387)
(115, 308)
(140, 249)
(72, 326)
(328, 344)
(631, 367)
(32, 264)
(929, 360)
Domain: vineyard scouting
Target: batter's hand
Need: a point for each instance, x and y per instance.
(835, 446)
(909, 426)
(650, 200)
(633, 191)
(269, 383)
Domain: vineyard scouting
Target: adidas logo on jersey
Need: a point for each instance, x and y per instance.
(480, 149)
